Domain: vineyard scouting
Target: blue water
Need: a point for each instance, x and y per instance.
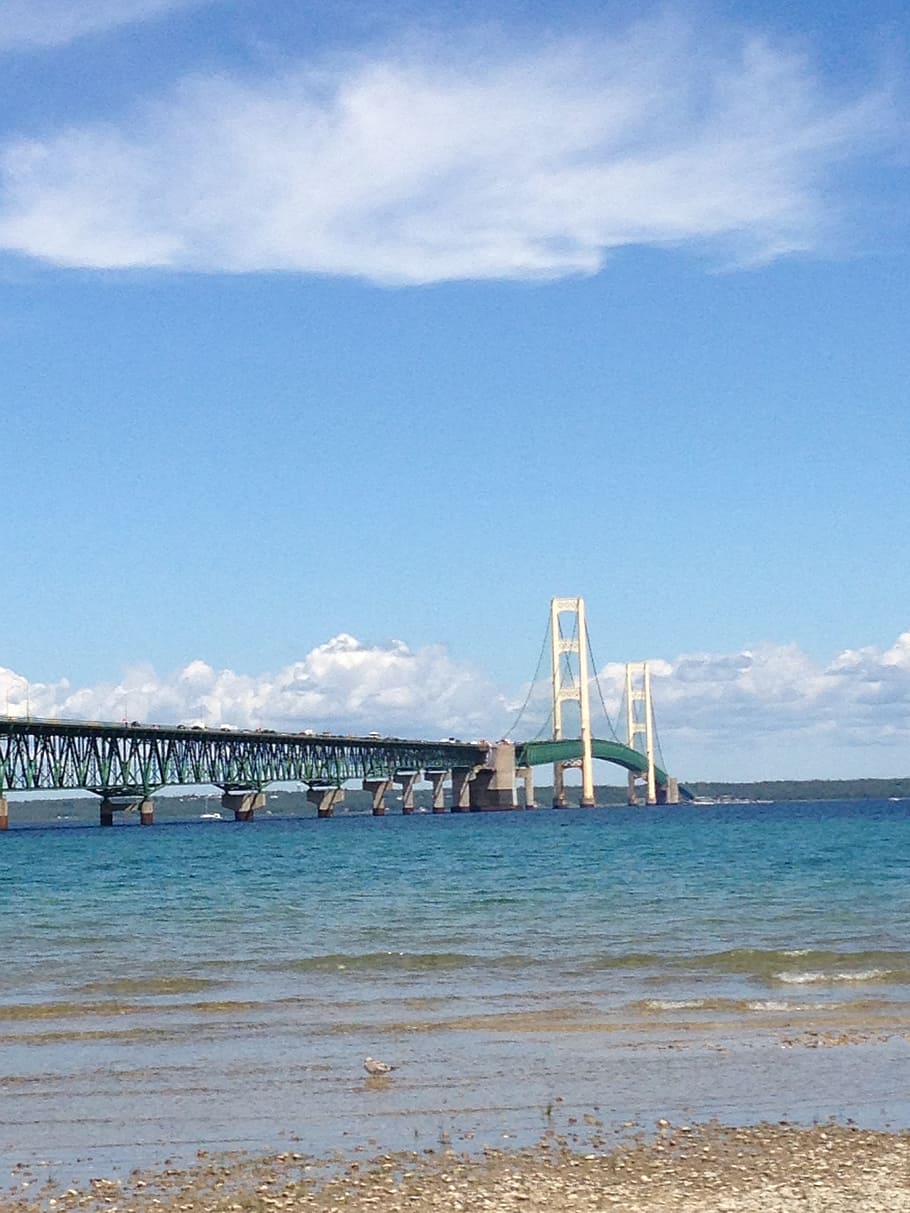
(208, 984)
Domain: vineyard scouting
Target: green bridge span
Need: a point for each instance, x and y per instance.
(539, 753)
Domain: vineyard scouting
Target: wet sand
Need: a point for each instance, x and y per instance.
(667, 1168)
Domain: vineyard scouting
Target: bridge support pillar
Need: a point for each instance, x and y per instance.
(461, 790)
(559, 786)
(107, 810)
(526, 775)
(325, 800)
(146, 813)
(588, 800)
(649, 797)
(4, 813)
(406, 781)
(493, 787)
(378, 789)
(438, 779)
(243, 803)
(668, 794)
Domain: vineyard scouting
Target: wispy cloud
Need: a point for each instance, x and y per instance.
(410, 169)
(43, 23)
(719, 715)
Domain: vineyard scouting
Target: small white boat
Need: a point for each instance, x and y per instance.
(210, 817)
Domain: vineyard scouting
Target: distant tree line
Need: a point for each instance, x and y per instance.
(763, 789)
(805, 789)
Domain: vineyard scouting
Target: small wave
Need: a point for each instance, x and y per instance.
(793, 1008)
(627, 960)
(775, 965)
(699, 1007)
(135, 987)
(25, 1012)
(812, 977)
(673, 1004)
(402, 961)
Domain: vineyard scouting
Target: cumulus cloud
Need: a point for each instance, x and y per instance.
(772, 708)
(43, 23)
(340, 686)
(410, 168)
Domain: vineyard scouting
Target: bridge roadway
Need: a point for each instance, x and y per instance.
(126, 764)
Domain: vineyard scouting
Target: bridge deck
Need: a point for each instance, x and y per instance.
(122, 759)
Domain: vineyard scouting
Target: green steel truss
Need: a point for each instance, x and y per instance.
(125, 760)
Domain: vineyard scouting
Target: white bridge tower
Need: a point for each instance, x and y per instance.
(640, 723)
(570, 685)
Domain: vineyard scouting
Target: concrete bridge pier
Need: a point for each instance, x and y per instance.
(493, 786)
(669, 793)
(406, 781)
(243, 802)
(461, 790)
(438, 779)
(146, 812)
(379, 789)
(325, 799)
(645, 796)
(559, 786)
(107, 810)
(4, 813)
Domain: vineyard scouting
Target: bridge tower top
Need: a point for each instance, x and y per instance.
(570, 685)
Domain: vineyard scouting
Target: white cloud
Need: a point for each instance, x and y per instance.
(410, 169)
(42, 23)
(779, 690)
(341, 685)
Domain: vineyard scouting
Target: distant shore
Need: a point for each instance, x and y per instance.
(673, 1168)
(32, 809)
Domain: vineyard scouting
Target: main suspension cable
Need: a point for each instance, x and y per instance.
(531, 684)
(600, 694)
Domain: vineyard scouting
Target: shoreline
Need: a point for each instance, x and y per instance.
(667, 1168)
(583, 1090)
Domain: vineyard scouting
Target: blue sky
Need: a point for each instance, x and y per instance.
(337, 338)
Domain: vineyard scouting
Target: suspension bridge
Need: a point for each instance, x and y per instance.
(126, 764)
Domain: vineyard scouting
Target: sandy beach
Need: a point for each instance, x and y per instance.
(671, 1168)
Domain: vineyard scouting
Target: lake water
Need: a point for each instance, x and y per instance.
(206, 984)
